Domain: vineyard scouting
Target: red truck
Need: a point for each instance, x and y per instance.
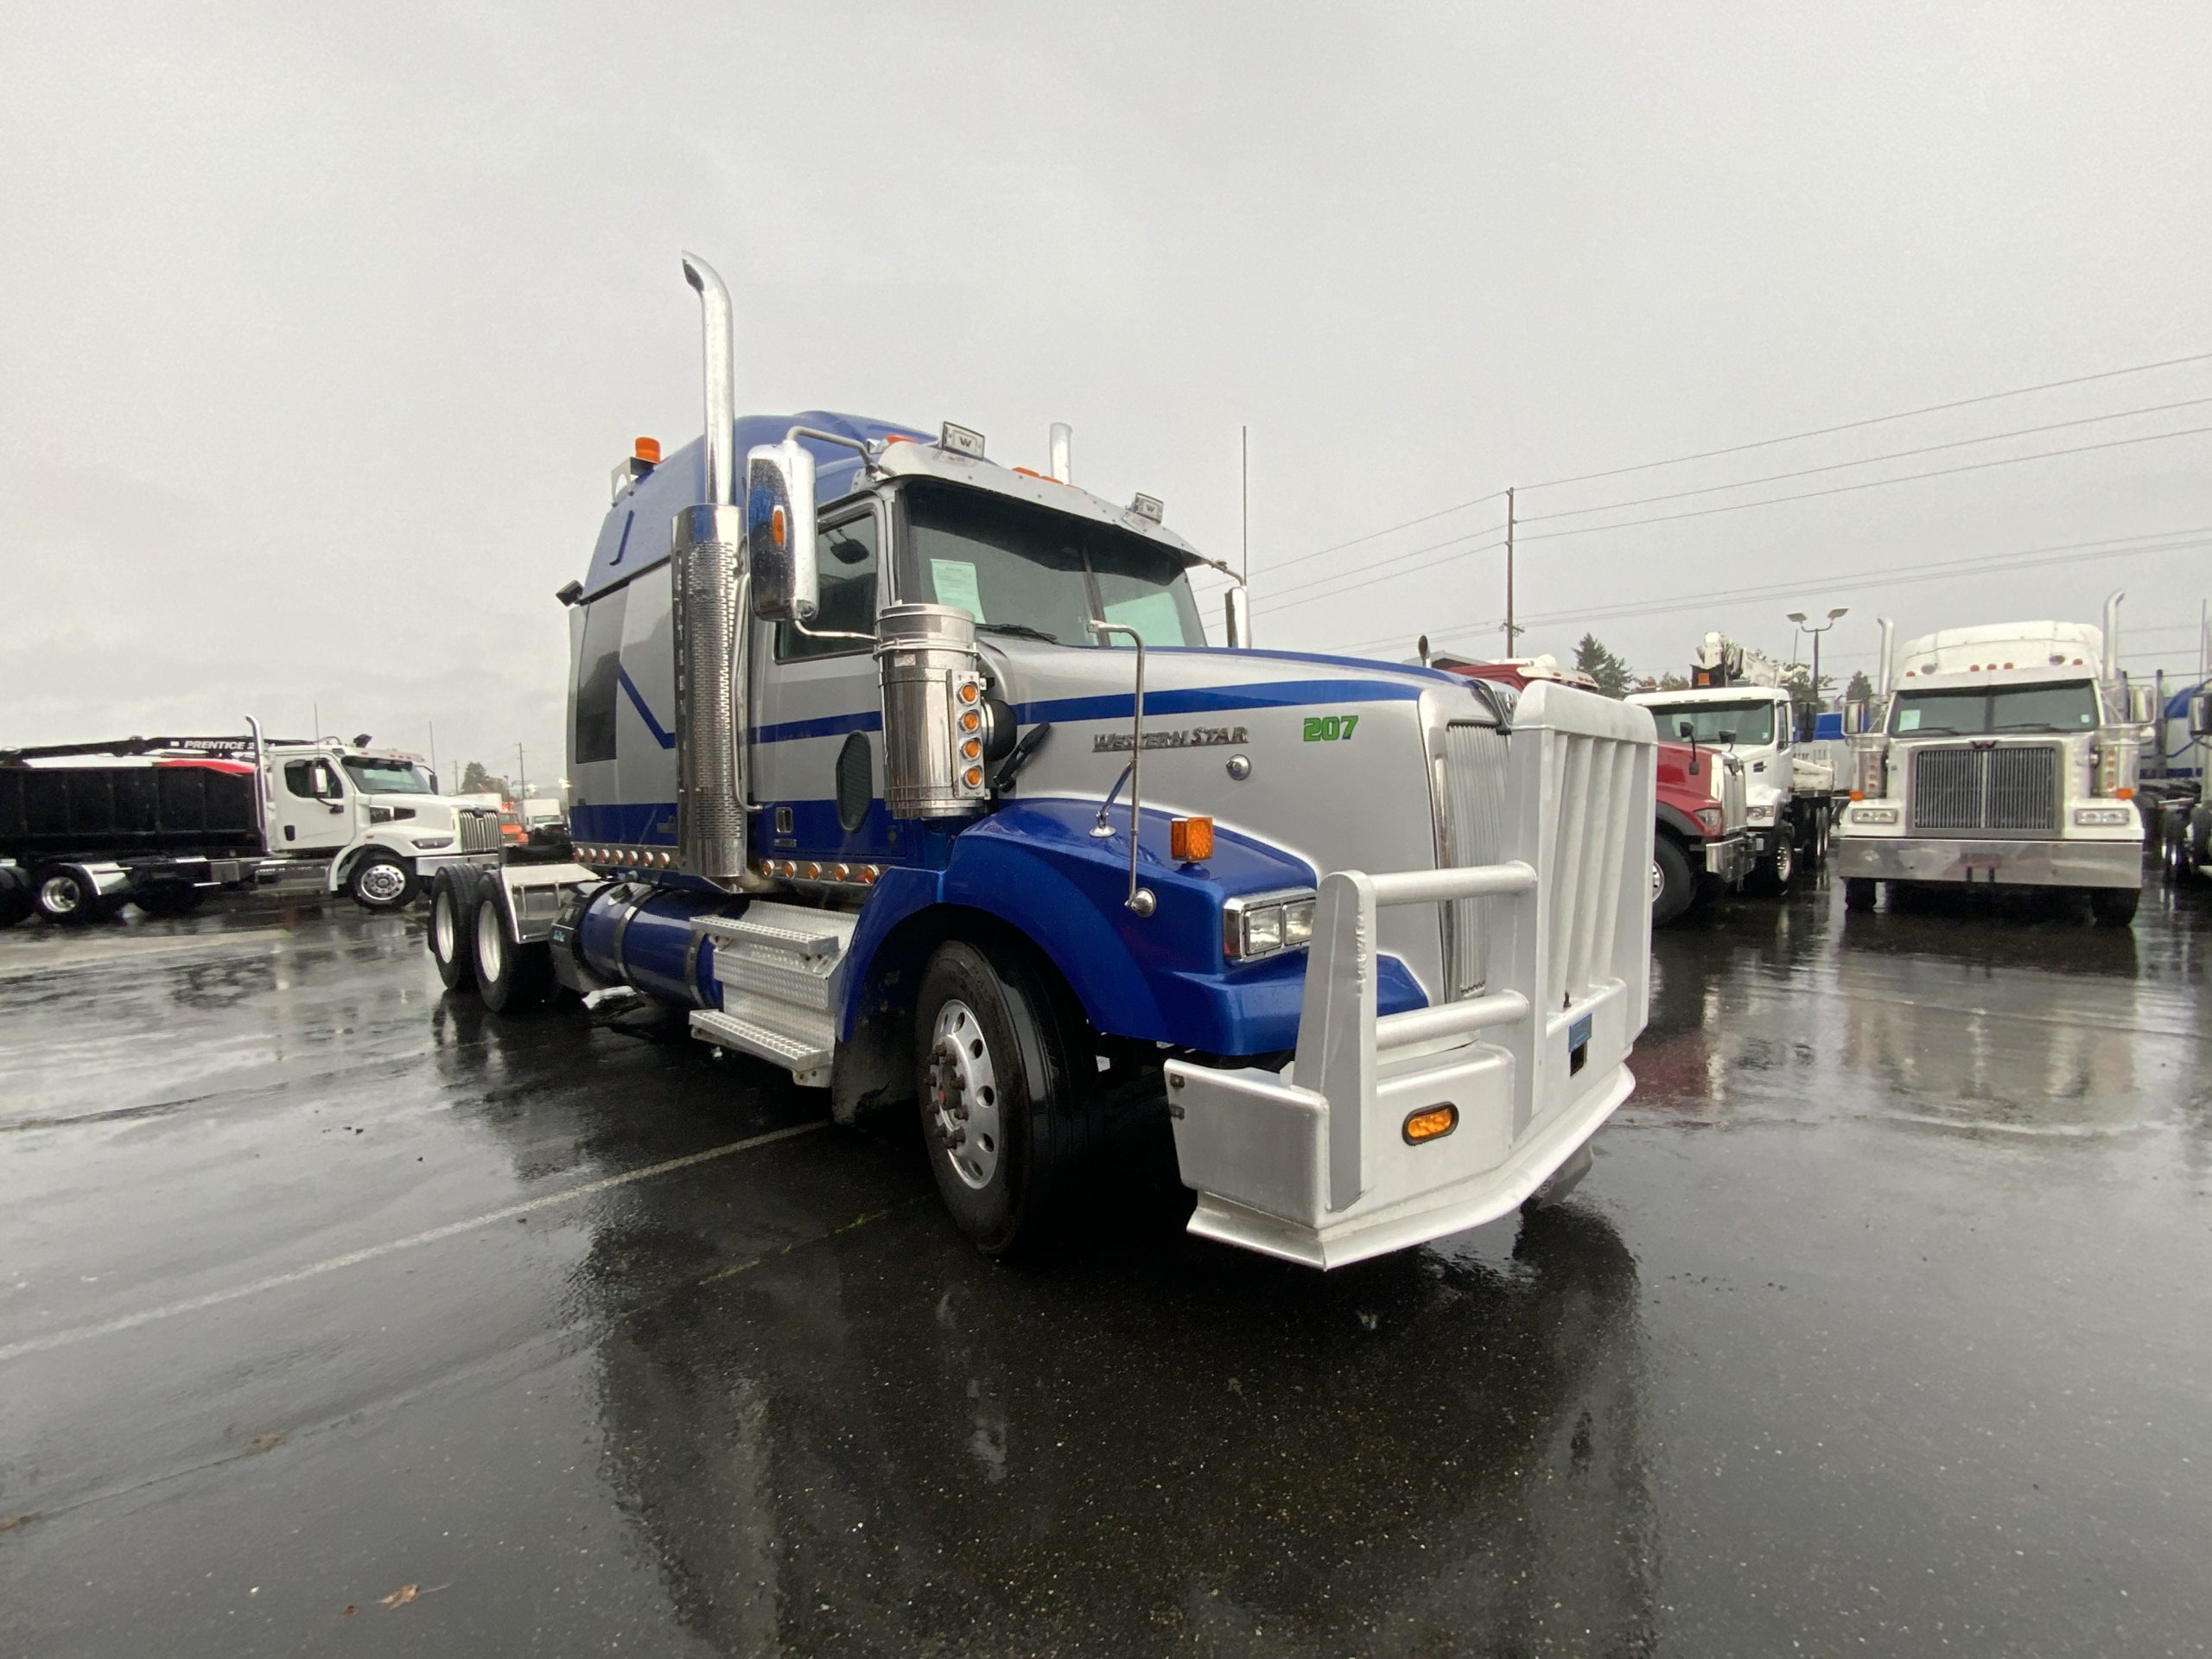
(1702, 847)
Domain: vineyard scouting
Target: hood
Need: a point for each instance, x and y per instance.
(1052, 682)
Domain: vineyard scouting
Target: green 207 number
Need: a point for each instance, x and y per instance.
(1329, 728)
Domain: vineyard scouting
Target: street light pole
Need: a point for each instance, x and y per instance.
(1816, 629)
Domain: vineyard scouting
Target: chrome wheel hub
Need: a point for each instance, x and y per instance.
(58, 895)
(382, 882)
(442, 928)
(962, 1090)
(1658, 881)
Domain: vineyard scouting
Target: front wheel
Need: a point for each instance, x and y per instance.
(1775, 872)
(168, 899)
(2114, 906)
(1859, 892)
(381, 882)
(1673, 884)
(998, 1065)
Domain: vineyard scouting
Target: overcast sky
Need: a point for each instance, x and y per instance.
(322, 326)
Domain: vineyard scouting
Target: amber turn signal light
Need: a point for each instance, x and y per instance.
(647, 450)
(1191, 840)
(1431, 1124)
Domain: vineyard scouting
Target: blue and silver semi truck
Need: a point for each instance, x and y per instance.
(915, 775)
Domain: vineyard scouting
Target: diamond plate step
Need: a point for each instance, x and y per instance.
(782, 927)
(728, 1031)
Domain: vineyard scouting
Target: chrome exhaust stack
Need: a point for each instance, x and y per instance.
(1063, 442)
(2112, 668)
(1888, 672)
(706, 572)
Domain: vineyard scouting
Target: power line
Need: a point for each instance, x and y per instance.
(1873, 420)
(1870, 484)
(1338, 547)
(1871, 461)
(1922, 570)
(1371, 573)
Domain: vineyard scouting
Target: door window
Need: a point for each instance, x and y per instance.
(313, 780)
(599, 664)
(845, 556)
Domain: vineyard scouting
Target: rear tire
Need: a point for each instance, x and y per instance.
(453, 927)
(1859, 892)
(382, 881)
(511, 977)
(15, 895)
(2114, 906)
(64, 896)
(168, 899)
(999, 1068)
(1673, 883)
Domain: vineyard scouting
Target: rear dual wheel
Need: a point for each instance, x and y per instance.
(509, 976)
(64, 893)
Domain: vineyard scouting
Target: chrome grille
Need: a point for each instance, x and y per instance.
(1735, 812)
(480, 829)
(2002, 790)
(1474, 788)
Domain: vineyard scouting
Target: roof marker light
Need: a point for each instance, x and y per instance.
(647, 450)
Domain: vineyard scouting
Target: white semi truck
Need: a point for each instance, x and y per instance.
(2008, 758)
(1739, 699)
(162, 822)
(913, 775)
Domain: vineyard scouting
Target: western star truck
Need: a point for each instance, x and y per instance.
(1740, 699)
(2008, 758)
(162, 822)
(1701, 846)
(914, 776)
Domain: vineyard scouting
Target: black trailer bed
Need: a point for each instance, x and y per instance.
(182, 807)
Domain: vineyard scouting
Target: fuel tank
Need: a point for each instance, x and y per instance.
(640, 936)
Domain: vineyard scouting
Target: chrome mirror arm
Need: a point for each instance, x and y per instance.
(1140, 901)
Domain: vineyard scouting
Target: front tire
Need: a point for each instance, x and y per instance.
(1859, 892)
(998, 1065)
(1774, 873)
(382, 881)
(168, 898)
(1673, 884)
(2114, 906)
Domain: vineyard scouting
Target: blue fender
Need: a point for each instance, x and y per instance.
(1035, 866)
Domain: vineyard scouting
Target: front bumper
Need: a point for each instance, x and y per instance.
(1729, 858)
(1989, 863)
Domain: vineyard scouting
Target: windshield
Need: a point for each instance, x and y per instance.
(1978, 711)
(1752, 724)
(1028, 571)
(389, 777)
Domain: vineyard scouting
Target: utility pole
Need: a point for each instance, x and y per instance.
(522, 780)
(1512, 633)
(434, 748)
(1244, 449)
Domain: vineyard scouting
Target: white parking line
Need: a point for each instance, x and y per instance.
(354, 1258)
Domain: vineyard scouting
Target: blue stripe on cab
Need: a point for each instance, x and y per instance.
(665, 738)
(1217, 699)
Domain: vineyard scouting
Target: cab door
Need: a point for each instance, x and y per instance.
(817, 725)
(310, 808)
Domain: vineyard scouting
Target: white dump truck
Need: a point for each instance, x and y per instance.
(2008, 758)
(1740, 699)
(913, 775)
(162, 822)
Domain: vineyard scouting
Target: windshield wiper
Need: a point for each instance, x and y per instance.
(2026, 726)
(1923, 731)
(1019, 630)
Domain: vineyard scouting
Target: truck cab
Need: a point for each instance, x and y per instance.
(1785, 790)
(2008, 757)
(366, 821)
(915, 776)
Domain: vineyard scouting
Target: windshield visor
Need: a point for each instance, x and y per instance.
(1977, 712)
(1751, 724)
(1028, 571)
(389, 778)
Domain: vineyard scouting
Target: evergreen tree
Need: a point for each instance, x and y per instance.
(475, 780)
(1614, 677)
(1861, 689)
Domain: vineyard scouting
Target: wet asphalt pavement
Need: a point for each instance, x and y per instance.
(1883, 1324)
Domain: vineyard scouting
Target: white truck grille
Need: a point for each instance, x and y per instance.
(1475, 788)
(2008, 790)
(1735, 811)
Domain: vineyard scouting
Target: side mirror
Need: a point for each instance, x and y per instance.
(2142, 703)
(780, 532)
(1727, 737)
(2200, 716)
(1683, 730)
(1237, 619)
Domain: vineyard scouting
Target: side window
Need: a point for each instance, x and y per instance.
(313, 780)
(599, 661)
(845, 555)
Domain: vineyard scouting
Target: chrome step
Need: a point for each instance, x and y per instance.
(788, 927)
(777, 966)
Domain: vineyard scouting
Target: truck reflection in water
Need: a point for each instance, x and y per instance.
(880, 1441)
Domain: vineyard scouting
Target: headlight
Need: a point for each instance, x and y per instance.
(1261, 923)
(1708, 818)
(2104, 815)
(1761, 814)
(386, 814)
(1873, 814)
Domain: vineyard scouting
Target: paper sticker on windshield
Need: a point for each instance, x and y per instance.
(955, 581)
(1155, 616)
(1908, 719)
